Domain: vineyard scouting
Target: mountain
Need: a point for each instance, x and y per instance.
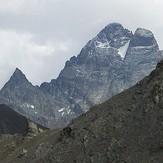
(13, 123)
(111, 62)
(26, 99)
(127, 128)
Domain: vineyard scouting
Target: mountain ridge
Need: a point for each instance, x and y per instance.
(111, 62)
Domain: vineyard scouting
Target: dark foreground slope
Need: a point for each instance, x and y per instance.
(128, 128)
(12, 122)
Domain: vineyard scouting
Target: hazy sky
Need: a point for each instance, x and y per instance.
(38, 36)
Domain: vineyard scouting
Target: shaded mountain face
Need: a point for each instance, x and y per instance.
(12, 122)
(109, 63)
(127, 128)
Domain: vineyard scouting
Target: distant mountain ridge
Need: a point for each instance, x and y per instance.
(109, 63)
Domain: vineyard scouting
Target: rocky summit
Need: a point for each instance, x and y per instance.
(111, 62)
(127, 128)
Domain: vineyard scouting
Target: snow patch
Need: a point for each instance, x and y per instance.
(77, 101)
(144, 47)
(122, 50)
(64, 111)
(69, 112)
(72, 113)
(77, 72)
(102, 45)
(61, 110)
(30, 106)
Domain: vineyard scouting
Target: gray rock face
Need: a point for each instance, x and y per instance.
(109, 63)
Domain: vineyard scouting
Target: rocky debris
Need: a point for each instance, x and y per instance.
(23, 153)
(111, 62)
(66, 132)
(34, 129)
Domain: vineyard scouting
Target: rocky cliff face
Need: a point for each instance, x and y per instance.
(109, 63)
(127, 128)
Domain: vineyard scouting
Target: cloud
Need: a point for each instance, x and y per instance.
(35, 59)
(21, 6)
(38, 36)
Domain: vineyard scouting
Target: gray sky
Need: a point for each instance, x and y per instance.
(38, 36)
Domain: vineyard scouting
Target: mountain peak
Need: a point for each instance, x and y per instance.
(17, 71)
(143, 32)
(114, 25)
(18, 78)
(114, 35)
(143, 37)
(18, 75)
